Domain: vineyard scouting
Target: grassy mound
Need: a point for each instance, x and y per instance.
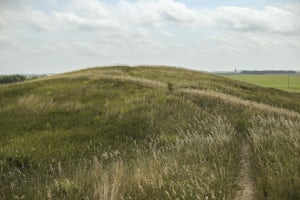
(145, 133)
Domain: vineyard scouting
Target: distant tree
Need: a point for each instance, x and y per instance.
(268, 72)
(5, 79)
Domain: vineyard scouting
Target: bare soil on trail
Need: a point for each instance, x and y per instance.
(246, 186)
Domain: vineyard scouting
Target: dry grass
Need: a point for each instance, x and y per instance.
(276, 150)
(236, 101)
(178, 170)
(107, 74)
(123, 133)
(34, 101)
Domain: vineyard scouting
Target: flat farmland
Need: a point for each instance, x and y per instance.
(280, 81)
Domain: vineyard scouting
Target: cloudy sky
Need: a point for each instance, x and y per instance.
(51, 36)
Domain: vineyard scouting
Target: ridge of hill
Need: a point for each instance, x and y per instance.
(193, 79)
(146, 133)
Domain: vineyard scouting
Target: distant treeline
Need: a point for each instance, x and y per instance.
(5, 79)
(268, 72)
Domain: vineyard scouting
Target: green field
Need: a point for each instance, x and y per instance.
(284, 82)
(147, 133)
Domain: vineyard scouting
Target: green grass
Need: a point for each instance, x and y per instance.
(284, 82)
(144, 133)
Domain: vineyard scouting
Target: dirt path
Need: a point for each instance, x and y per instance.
(246, 191)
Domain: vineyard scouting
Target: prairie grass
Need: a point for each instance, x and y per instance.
(276, 151)
(180, 170)
(191, 79)
(144, 133)
(195, 165)
(236, 101)
(157, 143)
(39, 102)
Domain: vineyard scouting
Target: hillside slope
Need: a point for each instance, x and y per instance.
(146, 133)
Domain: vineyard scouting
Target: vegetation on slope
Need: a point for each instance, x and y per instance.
(138, 133)
(5, 79)
(191, 79)
(276, 149)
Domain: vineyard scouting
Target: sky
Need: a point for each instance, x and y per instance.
(54, 36)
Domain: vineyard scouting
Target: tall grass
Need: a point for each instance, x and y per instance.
(39, 102)
(236, 101)
(144, 133)
(195, 166)
(276, 152)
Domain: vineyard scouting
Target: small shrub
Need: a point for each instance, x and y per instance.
(170, 87)
(11, 78)
(20, 162)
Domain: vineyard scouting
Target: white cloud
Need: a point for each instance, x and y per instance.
(7, 40)
(90, 8)
(93, 15)
(157, 13)
(178, 12)
(139, 12)
(25, 18)
(53, 2)
(147, 31)
(13, 3)
(71, 20)
(37, 20)
(270, 19)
